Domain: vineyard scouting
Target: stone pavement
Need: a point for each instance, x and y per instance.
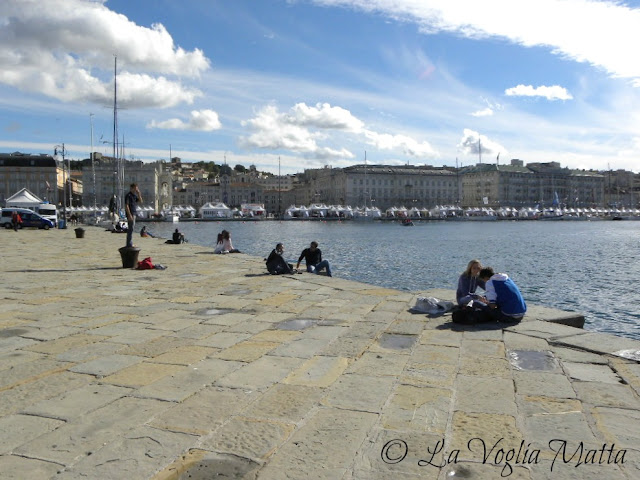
(213, 369)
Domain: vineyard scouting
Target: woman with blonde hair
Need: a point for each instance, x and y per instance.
(467, 284)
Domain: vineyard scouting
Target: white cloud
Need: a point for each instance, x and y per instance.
(601, 33)
(486, 112)
(324, 115)
(407, 145)
(64, 49)
(292, 131)
(201, 121)
(555, 92)
(300, 129)
(472, 143)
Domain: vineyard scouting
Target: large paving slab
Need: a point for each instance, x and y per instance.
(214, 369)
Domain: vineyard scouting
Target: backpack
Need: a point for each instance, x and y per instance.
(470, 316)
(145, 264)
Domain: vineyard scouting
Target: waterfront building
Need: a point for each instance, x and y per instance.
(517, 185)
(40, 174)
(621, 188)
(153, 179)
(229, 191)
(381, 186)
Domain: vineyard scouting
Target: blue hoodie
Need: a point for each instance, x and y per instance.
(501, 290)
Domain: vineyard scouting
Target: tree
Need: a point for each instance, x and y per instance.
(225, 170)
(240, 168)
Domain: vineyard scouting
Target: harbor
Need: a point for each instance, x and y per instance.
(211, 368)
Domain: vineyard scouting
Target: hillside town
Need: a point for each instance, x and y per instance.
(189, 189)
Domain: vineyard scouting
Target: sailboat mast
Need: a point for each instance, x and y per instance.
(366, 192)
(115, 131)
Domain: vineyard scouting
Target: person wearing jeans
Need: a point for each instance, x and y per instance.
(131, 200)
(313, 259)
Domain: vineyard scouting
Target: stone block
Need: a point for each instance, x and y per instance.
(319, 371)
(106, 365)
(260, 374)
(142, 374)
(419, 409)
(359, 392)
(485, 395)
(16, 430)
(204, 411)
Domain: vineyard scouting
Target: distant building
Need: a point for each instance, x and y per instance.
(153, 179)
(40, 174)
(516, 185)
(382, 186)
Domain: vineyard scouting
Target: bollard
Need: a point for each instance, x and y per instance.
(129, 256)
(79, 232)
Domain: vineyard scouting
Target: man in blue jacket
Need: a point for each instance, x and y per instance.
(505, 299)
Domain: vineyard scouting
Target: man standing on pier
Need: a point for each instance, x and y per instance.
(313, 258)
(131, 200)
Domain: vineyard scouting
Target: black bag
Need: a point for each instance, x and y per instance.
(471, 316)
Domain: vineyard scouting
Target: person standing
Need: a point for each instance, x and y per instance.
(16, 220)
(131, 200)
(313, 258)
(505, 300)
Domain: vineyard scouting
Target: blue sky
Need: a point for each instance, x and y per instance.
(319, 82)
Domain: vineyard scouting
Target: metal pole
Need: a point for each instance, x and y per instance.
(93, 166)
(64, 190)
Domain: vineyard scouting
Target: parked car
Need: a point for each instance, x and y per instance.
(29, 218)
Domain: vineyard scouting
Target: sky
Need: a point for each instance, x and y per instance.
(292, 84)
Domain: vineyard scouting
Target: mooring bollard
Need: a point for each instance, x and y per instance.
(129, 256)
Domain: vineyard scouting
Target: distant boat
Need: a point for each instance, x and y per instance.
(407, 222)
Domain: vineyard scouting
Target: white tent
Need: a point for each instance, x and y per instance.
(23, 199)
(219, 210)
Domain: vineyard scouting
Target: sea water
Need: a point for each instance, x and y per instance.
(591, 267)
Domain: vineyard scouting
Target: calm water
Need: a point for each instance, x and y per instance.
(589, 267)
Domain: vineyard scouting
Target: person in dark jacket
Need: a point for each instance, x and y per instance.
(313, 258)
(276, 264)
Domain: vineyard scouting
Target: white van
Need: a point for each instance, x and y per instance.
(29, 218)
(48, 211)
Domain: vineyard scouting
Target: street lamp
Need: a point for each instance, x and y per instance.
(63, 152)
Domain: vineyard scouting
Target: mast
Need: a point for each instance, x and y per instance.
(366, 192)
(479, 149)
(93, 166)
(115, 130)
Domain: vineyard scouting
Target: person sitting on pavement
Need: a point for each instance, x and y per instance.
(467, 284)
(224, 244)
(145, 233)
(178, 237)
(504, 297)
(276, 264)
(313, 259)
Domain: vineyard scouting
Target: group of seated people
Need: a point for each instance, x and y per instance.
(502, 300)
(276, 264)
(175, 239)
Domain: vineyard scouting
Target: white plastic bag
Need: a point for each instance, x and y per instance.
(432, 305)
